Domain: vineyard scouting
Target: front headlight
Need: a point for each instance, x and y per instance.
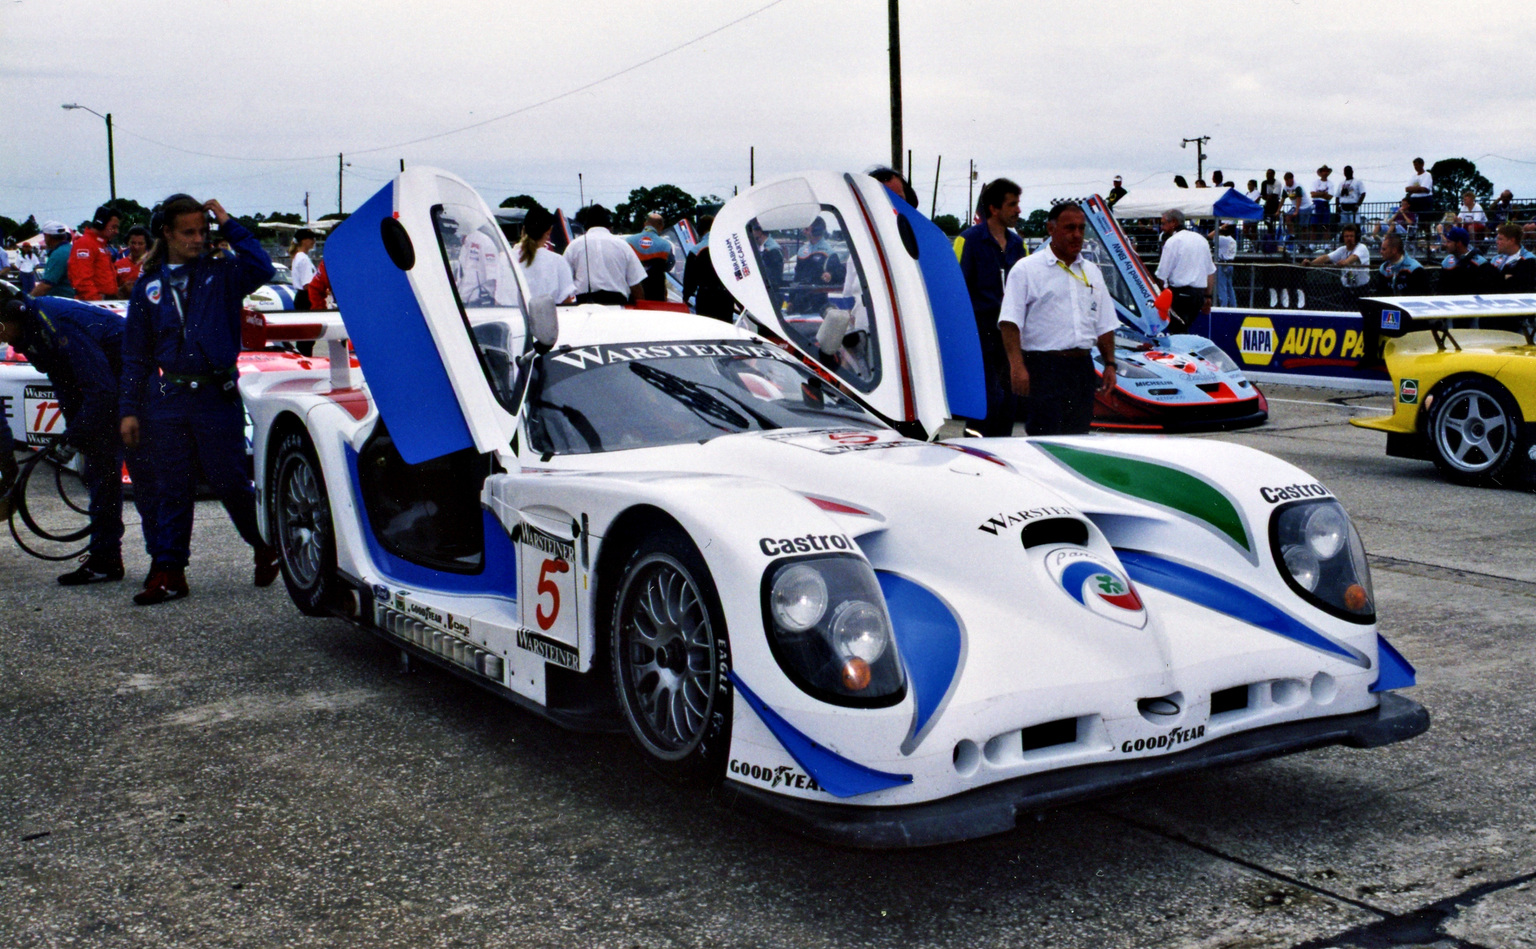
(1320, 556)
(1218, 357)
(828, 628)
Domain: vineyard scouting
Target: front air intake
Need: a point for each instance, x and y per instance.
(1055, 530)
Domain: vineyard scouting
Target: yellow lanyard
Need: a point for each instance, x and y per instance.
(1075, 275)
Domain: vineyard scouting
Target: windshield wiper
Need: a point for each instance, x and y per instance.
(694, 396)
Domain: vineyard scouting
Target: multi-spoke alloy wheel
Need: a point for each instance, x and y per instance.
(670, 658)
(1474, 431)
(301, 525)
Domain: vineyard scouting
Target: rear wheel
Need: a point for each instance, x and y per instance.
(1474, 431)
(301, 526)
(671, 659)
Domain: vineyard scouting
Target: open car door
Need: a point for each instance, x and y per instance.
(1129, 283)
(424, 279)
(863, 286)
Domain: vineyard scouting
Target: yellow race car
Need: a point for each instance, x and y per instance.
(1464, 394)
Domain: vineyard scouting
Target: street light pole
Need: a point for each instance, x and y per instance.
(895, 49)
(1199, 154)
(111, 159)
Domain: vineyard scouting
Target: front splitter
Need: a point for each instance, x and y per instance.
(995, 809)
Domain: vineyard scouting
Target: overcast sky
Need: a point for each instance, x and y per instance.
(1057, 96)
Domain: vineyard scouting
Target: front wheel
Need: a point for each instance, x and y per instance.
(301, 526)
(671, 660)
(1474, 431)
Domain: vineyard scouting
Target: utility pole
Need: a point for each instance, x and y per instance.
(895, 50)
(751, 165)
(934, 207)
(306, 207)
(581, 190)
(402, 164)
(111, 161)
(970, 190)
(339, 166)
(909, 166)
(1199, 153)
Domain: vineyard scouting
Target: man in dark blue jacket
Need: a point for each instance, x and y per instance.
(987, 251)
(79, 347)
(179, 388)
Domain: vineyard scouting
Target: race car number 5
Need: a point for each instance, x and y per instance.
(548, 587)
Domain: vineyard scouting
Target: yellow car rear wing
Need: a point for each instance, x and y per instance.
(1399, 316)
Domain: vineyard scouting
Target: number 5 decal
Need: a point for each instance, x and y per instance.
(547, 586)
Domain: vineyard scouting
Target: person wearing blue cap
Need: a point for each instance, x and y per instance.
(1463, 270)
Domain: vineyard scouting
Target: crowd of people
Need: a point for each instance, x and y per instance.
(155, 390)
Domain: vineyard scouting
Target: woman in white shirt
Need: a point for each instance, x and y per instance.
(301, 267)
(548, 274)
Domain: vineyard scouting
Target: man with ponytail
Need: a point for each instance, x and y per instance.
(179, 392)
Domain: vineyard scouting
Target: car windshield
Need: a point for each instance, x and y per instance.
(1095, 248)
(610, 398)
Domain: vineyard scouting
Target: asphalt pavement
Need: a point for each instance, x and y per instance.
(222, 771)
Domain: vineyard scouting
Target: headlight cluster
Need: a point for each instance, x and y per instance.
(1321, 557)
(829, 631)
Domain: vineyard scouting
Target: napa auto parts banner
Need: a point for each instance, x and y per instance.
(1308, 348)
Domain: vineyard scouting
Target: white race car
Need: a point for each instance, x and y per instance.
(663, 523)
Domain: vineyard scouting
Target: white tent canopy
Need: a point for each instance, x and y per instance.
(1194, 202)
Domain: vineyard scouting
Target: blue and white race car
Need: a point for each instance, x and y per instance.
(658, 522)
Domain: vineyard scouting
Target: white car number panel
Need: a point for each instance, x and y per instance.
(42, 414)
(547, 592)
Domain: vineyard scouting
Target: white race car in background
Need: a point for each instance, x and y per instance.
(659, 522)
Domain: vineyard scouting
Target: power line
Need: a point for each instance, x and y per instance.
(474, 125)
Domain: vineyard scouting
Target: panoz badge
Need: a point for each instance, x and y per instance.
(1096, 586)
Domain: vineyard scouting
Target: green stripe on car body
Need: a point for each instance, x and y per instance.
(1158, 484)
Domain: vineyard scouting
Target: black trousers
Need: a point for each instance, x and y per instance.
(1187, 303)
(1002, 404)
(1061, 389)
(607, 297)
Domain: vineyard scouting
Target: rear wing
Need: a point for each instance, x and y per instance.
(260, 330)
(1399, 316)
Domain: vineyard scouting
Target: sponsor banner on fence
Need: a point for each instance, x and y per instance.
(1300, 343)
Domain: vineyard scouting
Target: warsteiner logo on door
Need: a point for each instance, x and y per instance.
(547, 592)
(42, 414)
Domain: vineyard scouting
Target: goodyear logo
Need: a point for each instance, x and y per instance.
(1408, 391)
(1256, 340)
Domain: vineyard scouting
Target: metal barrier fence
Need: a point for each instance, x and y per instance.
(1266, 286)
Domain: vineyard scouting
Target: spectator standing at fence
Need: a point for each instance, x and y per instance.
(1502, 209)
(604, 267)
(1352, 255)
(1399, 274)
(1217, 180)
(1115, 193)
(1420, 190)
(1514, 267)
(301, 266)
(1187, 269)
(1226, 252)
(987, 252)
(1463, 269)
(1322, 194)
(1351, 195)
(90, 260)
(24, 260)
(54, 280)
(1471, 214)
(1056, 306)
(1298, 214)
(1270, 194)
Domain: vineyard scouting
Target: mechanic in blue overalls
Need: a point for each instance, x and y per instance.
(179, 391)
(79, 347)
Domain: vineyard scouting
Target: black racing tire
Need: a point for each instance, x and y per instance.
(671, 660)
(301, 525)
(1474, 432)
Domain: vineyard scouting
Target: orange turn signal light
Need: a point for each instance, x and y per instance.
(855, 675)
(1355, 599)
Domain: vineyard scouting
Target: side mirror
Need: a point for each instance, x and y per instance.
(543, 323)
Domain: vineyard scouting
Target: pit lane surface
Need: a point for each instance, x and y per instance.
(222, 771)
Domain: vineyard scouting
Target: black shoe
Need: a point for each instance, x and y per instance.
(165, 583)
(93, 570)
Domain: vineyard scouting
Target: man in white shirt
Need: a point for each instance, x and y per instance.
(604, 267)
(1421, 192)
(1186, 268)
(1322, 193)
(1298, 206)
(1352, 255)
(1351, 194)
(1056, 306)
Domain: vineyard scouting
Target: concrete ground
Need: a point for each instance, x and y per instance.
(222, 771)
